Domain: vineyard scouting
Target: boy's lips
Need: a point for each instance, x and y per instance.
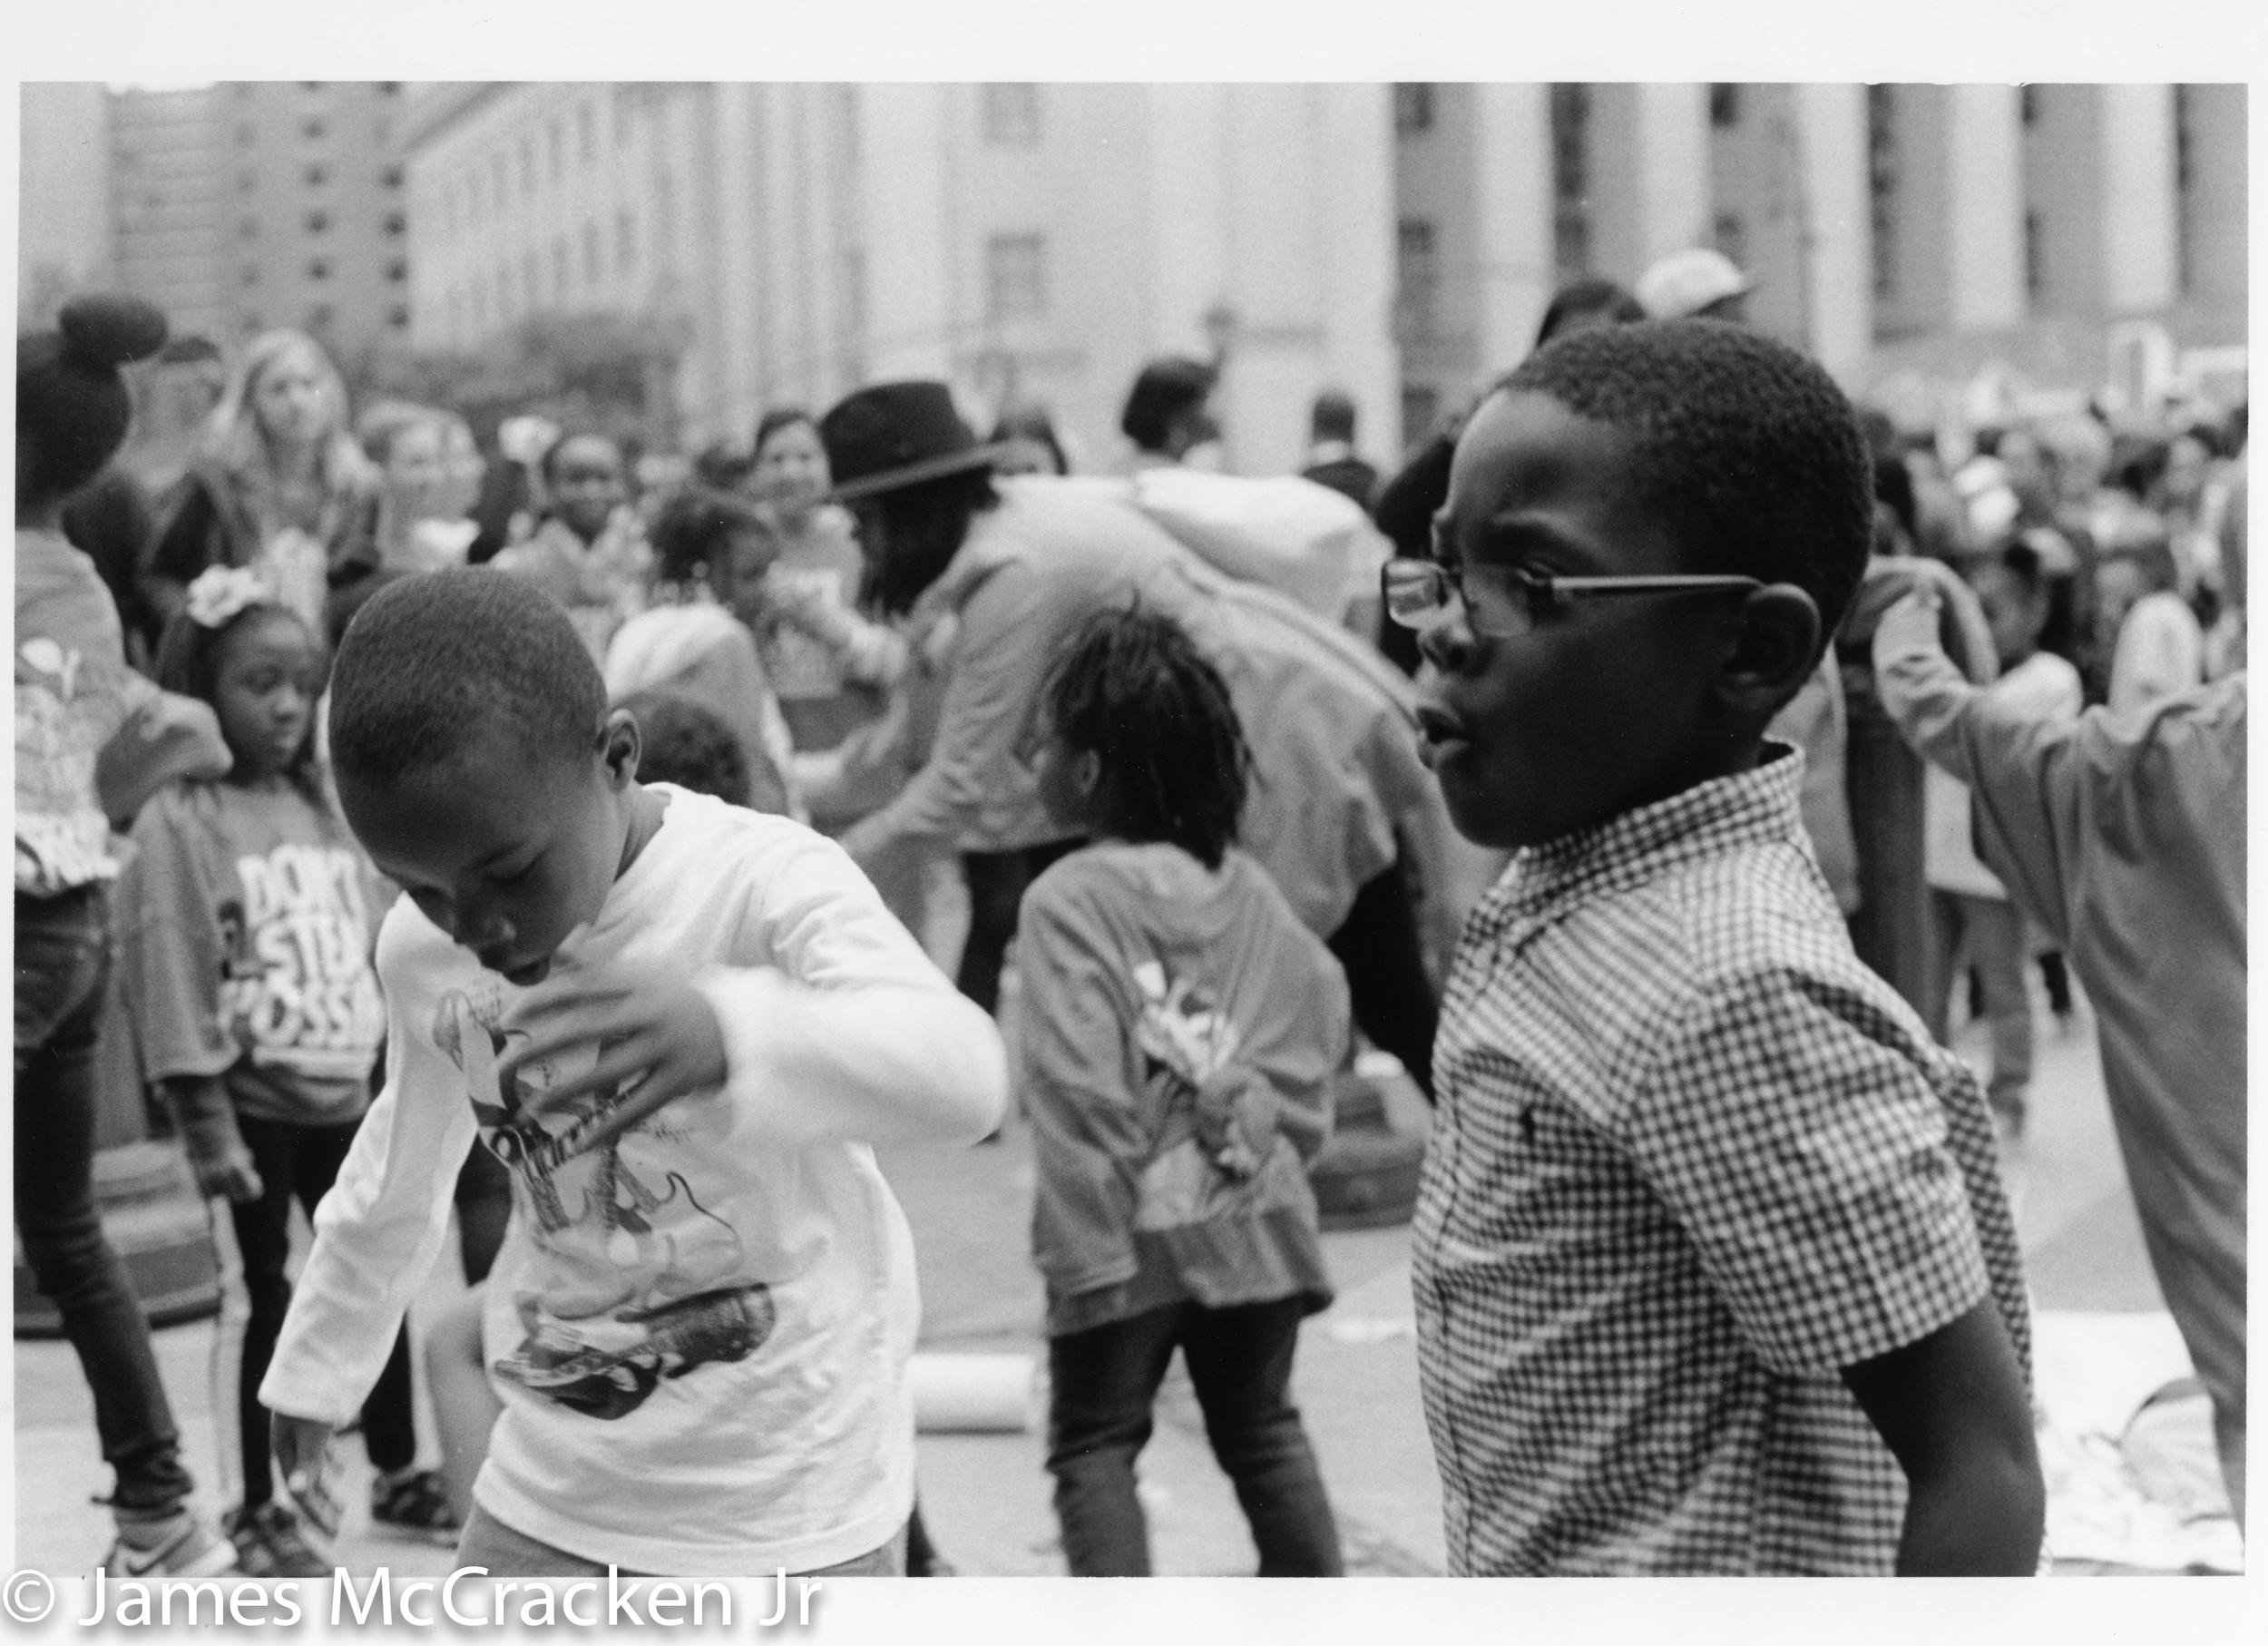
(1438, 728)
(512, 969)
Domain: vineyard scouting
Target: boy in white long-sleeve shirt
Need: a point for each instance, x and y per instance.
(682, 1025)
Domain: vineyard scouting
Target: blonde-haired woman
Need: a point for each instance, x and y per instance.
(280, 486)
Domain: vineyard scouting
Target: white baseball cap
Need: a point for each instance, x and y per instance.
(1685, 282)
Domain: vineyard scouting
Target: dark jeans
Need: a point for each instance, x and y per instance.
(1105, 1384)
(997, 880)
(61, 961)
(300, 1162)
(1392, 998)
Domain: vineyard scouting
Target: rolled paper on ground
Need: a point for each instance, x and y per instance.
(974, 1393)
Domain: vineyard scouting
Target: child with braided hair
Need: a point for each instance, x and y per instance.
(1181, 1027)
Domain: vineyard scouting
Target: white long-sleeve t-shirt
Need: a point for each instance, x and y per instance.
(700, 1329)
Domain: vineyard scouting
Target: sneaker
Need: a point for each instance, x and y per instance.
(416, 1503)
(269, 1544)
(170, 1542)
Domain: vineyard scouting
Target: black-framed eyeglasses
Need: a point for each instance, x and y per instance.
(1502, 603)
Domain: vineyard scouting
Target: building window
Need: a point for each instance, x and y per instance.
(248, 274)
(1731, 237)
(249, 321)
(1881, 187)
(245, 135)
(1571, 181)
(559, 269)
(2035, 254)
(389, 88)
(317, 221)
(247, 228)
(1012, 115)
(2028, 104)
(391, 177)
(587, 132)
(396, 223)
(1724, 106)
(311, 129)
(319, 269)
(1421, 408)
(527, 167)
(593, 255)
(555, 145)
(398, 271)
(317, 176)
(246, 181)
(625, 240)
(398, 317)
(1413, 108)
(319, 316)
(1417, 277)
(1015, 280)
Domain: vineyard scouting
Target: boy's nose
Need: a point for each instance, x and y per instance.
(1447, 644)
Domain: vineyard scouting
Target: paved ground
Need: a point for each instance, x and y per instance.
(986, 1496)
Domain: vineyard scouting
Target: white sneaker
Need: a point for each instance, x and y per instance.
(172, 1543)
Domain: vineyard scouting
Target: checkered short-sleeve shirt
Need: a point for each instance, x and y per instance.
(1691, 1159)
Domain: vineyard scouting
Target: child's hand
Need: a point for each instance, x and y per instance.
(301, 1446)
(659, 1036)
(231, 1176)
(1910, 625)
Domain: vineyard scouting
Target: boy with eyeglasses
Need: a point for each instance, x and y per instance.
(1713, 1268)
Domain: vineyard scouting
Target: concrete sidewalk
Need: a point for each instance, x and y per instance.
(986, 1497)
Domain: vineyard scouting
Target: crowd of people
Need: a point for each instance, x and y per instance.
(508, 842)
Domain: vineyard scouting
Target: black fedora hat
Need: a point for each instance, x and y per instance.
(892, 435)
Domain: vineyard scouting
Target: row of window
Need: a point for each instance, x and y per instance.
(485, 188)
(319, 268)
(1416, 105)
(393, 224)
(320, 317)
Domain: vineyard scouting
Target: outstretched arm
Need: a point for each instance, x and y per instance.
(1953, 1410)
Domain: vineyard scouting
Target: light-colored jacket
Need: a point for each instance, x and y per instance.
(1339, 792)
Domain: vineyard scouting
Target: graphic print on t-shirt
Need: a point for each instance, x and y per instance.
(300, 992)
(60, 840)
(634, 1278)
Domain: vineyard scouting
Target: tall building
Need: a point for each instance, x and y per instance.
(64, 196)
(166, 203)
(2081, 235)
(251, 204)
(315, 232)
(1024, 241)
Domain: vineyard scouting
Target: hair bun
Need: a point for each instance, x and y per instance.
(109, 331)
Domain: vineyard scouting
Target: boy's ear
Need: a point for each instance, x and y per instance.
(1777, 649)
(619, 746)
(1086, 771)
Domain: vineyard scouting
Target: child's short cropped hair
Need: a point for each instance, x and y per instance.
(1130, 686)
(431, 660)
(1747, 450)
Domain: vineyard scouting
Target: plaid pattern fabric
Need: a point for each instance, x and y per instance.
(1691, 1159)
